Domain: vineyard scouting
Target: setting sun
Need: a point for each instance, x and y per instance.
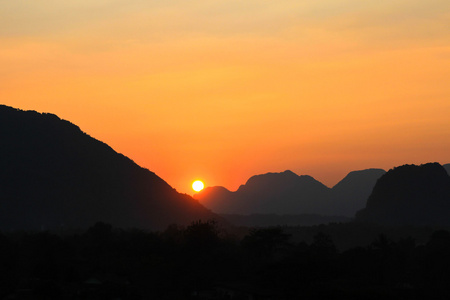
(197, 185)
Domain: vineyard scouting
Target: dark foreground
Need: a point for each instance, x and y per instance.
(203, 262)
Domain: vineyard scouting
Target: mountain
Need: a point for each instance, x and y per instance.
(410, 195)
(287, 194)
(447, 168)
(52, 175)
(351, 193)
(215, 198)
(271, 193)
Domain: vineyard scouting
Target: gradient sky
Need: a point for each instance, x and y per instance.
(223, 90)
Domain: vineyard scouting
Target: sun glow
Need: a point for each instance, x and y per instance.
(197, 185)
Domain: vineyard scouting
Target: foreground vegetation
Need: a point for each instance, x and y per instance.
(203, 262)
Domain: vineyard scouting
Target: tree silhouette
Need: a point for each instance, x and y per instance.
(323, 245)
(202, 236)
(266, 242)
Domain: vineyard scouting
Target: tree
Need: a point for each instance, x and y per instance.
(202, 236)
(323, 245)
(266, 242)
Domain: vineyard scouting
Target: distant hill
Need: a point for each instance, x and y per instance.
(410, 195)
(287, 194)
(215, 198)
(271, 193)
(351, 193)
(52, 175)
(447, 168)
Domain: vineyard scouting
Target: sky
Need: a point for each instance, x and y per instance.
(223, 90)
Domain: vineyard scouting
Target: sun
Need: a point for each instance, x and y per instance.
(197, 185)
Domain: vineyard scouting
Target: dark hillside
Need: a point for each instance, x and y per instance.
(53, 175)
(271, 193)
(447, 168)
(287, 193)
(410, 195)
(216, 198)
(351, 193)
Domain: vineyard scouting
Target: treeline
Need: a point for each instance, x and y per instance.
(203, 261)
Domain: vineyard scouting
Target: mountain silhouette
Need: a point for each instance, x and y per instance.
(287, 193)
(52, 175)
(447, 168)
(350, 194)
(410, 195)
(271, 193)
(282, 193)
(216, 198)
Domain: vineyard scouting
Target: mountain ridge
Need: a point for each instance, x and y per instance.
(351, 193)
(447, 168)
(289, 193)
(54, 175)
(410, 195)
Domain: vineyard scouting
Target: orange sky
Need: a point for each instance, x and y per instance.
(222, 90)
